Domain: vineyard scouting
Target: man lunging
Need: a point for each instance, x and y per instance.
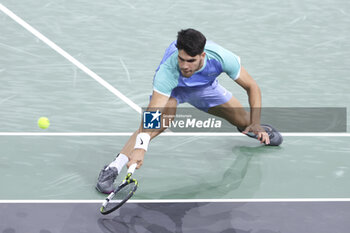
(188, 73)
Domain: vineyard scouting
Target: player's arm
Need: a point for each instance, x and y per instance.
(231, 64)
(254, 94)
(254, 97)
(164, 81)
(143, 138)
(158, 103)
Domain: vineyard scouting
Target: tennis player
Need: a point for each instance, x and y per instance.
(188, 73)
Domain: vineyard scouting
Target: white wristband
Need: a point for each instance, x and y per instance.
(142, 141)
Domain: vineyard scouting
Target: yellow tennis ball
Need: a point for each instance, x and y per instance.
(43, 122)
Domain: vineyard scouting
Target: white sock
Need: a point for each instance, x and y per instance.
(119, 162)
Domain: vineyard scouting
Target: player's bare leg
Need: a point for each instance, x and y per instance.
(233, 112)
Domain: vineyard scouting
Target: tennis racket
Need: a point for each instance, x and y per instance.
(121, 194)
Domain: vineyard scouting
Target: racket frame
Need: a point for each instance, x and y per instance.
(127, 181)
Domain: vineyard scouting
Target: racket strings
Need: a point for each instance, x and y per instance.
(120, 197)
(124, 191)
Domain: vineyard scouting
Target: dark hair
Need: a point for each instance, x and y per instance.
(192, 41)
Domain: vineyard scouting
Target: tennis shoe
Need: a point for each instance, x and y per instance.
(276, 138)
(106, 179)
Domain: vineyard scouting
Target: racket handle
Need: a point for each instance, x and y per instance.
(110, 197)
(132, 168)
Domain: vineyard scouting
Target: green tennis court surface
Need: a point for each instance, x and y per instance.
(233, 167)
(298, 52)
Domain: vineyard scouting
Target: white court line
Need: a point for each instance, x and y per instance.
(70, 58)
(184, 200)
(168, 134)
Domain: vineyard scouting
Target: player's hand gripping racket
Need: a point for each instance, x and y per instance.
(121, 194)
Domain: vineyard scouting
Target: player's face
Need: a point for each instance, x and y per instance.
(189, 65)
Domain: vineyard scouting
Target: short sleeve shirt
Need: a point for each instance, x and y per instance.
(217, 60)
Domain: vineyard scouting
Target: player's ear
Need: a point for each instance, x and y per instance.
(203, 55)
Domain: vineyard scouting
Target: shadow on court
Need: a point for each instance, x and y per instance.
(224, 184)
(225, 217)
(172, 217)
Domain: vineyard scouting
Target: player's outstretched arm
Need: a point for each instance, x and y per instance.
(254, 95)
(143, 137)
